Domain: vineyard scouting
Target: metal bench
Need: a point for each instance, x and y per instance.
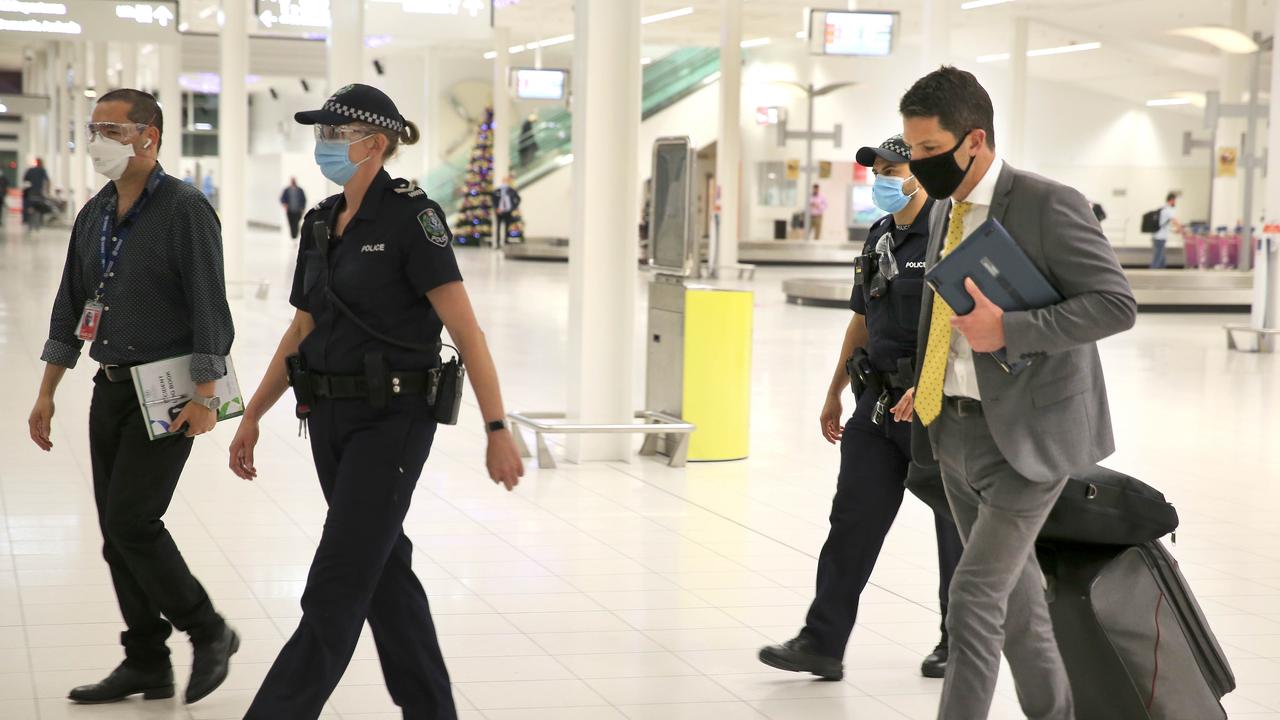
(1262, 335)
(655, 424)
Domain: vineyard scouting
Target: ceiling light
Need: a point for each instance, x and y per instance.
(1167, 102)
(1225, 39)
(802, 35)
(975, 4)
(646, 60)
(993, 58)
(1063, 49)
(757, 42)
(672, 15)
(549, 42)
(4, 108)
(516, 49)
(490, 55)
(91, 94)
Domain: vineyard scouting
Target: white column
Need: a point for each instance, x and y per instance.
(1266, 272)
(936, 36)
(170, 59)
(233, 134)
(1227, 191)
(62, 119)
(80, 115)
(128, 65)
(345, 44)
(1017, 93)
(100, 59)
(602, 248)
(729, 142)
(501, 105)
(429, 122)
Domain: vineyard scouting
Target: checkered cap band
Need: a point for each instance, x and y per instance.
(896, 145)
(372, 118)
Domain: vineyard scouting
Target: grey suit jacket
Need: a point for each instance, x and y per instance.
(1051, 419)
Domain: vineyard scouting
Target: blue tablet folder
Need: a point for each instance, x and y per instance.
(1001, 270)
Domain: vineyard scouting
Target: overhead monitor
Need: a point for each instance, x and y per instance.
(839, 32)
(533, 84)
(671, 246)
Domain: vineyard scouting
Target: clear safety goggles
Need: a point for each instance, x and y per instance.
(341, 133)
(119, 132)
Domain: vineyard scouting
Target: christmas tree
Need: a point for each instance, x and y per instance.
(476, 221)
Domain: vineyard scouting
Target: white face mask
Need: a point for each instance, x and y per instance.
(111, 158)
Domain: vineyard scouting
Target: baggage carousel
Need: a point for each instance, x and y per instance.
(1156, 290)
(542, 248)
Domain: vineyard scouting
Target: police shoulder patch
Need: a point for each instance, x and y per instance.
(433, 227)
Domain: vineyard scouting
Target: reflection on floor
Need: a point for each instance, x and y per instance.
(608, 590)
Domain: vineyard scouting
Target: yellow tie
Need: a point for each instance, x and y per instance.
(933, 375)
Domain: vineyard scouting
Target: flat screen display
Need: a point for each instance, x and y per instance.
(540, 84)
(671, 192)
(862, 209)
(856, 33)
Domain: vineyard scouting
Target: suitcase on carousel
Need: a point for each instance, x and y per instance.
(1134, 640)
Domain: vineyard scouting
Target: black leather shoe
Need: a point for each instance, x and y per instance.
(935, 666)
(798, 655)
(210, 664)
(123, 682)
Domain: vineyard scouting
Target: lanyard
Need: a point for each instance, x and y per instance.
(108, 262)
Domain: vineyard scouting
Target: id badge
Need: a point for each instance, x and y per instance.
(90, 319)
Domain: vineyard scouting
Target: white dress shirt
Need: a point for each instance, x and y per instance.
(962, 378)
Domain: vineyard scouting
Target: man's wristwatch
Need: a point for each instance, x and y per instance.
(208, 403)
(495, 426)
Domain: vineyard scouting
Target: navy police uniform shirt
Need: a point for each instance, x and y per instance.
(892, 320)
(394, 250)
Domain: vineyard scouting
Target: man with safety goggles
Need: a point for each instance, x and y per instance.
(143, 282)
(875, 442)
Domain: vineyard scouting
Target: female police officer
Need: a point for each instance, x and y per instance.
(375, 282)
(875, 444)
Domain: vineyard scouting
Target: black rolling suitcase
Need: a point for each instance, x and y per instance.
(1133, 638)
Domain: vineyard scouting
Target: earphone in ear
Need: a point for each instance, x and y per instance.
(147, 144)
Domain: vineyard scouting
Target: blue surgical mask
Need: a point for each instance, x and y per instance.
(333, 161)
(887, 193)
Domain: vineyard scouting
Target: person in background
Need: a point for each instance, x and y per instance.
(208, 188)
(875, 442)
(1160, 238)
(1006, 440)
(143, 282)
(528, 141)
(817, 208)
(505, 202)
(294, 201)
(35, 183)
(4, 195)
(189, 179)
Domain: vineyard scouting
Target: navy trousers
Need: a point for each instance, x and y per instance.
(873, 471)
(368, 461)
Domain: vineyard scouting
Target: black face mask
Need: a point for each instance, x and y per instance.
(940, 175)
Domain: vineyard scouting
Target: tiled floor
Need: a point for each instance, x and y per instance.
(621, 590)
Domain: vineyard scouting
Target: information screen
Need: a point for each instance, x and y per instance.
(856, 33)
(541, 84)
(862, 208)
(671, 193)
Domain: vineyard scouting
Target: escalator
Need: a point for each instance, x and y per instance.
(666, 81)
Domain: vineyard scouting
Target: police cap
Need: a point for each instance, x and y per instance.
(894, 150)
(356, 103)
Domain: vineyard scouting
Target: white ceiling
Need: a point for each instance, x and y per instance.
(1139, 57)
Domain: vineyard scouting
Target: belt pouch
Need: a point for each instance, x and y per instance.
(301, 382)
(377, 376)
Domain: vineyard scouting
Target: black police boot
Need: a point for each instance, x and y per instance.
(798, 655)
(123, 682)
(935, 666)
(210, 664)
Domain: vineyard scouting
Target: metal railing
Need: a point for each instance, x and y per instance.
(675, 431)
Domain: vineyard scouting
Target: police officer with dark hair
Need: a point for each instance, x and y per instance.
(376, 283)
(875, 444)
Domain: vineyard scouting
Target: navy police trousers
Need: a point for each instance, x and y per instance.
(368, 462)
(873, 470)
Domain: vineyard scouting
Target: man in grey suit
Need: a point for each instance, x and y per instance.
(1006, 442)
